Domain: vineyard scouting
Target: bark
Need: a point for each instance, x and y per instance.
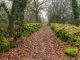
(36, 6)
(17, 13)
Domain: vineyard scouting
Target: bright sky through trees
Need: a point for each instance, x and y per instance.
(43, 13)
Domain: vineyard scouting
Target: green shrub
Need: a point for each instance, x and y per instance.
(13, 45)
(67, 32)
(71, 52)
(4, 44)
(3, 32)
(18, 35)
(72, 43)
(11, 33)
(28, 29)
(31, 28)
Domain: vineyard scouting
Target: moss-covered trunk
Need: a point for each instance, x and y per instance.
(74, 4)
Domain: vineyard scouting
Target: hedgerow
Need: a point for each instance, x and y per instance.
(27, 30)
(5, 45)
(31, 28)
(67, 32)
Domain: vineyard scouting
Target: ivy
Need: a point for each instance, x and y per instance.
(75, 10)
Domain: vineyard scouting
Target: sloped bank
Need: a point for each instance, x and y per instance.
(5, 45)
(67, 32)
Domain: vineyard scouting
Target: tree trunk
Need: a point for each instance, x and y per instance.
(36, 6)
(17, 14)
(13, 15)
(20, 12)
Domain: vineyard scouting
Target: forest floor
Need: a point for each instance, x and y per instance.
(42, 45)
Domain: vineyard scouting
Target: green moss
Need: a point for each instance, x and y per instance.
(78, 38)
(66, 32)
(13, 45)
(17, 35)
(4, 44)
(22, 38)
(3, 32)
(71, 52)
(72, 43)
(12, 33)
(76, 45)
(31, 28)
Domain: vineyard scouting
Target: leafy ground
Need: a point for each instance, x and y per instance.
(42, 45)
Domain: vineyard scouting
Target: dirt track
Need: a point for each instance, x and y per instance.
(42, 45)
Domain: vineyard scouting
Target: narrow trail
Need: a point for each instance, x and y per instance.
(42, 45)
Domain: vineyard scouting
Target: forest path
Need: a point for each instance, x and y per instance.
(42, 45)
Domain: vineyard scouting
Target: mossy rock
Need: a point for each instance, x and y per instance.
(22, 38)
(71, 51)
(76, 45)
(66, 32)
(31, 27)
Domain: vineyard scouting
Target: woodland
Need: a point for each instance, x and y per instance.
(39, 29)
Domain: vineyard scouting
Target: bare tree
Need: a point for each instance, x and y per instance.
(34, 10)
(59, 11)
